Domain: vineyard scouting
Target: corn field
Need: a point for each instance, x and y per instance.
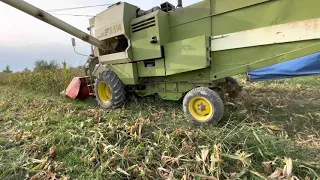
(270, 132)
(48, 81)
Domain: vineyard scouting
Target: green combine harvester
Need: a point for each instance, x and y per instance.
(187, 52)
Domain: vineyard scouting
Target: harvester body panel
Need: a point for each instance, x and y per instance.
(151, 68)
(187, 55)
(128, 72)
(113, 27)
(148, 34)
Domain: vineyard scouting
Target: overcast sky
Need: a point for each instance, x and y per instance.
(24, 39)
(18, 28)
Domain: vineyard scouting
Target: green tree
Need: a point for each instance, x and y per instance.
(7, 69)
(41, 65)
(80, 67)
(26, 70)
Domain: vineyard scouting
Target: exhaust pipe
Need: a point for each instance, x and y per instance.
(179, 4)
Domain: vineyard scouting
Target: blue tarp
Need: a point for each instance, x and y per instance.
(308, 65)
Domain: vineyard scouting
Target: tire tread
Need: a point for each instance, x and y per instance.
(117, 90)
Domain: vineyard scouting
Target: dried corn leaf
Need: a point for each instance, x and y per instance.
(52, 152)
(274, 128)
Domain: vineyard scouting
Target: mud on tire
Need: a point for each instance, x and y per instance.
(231, 87)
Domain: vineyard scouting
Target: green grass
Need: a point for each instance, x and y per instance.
(151, 139)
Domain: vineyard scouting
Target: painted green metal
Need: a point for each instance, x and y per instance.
(224, 6)
(151, 68)
(153, 26)
(169, 90)
(187, 55)
(227, 17)
(126, 72)
(246, 59)
(115, 21)
(173, 87)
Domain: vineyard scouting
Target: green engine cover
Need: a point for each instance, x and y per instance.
(187, 55)
(148, 34)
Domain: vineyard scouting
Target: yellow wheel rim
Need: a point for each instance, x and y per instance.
(104, 92)
(200, 108)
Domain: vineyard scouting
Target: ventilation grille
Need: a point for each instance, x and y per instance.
(143, 25)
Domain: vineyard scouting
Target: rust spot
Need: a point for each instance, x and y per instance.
(316, 25)
(86, 38)
(40, 14)
(312, 24)
(308, 24)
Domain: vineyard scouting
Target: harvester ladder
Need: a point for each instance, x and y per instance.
(89, 67)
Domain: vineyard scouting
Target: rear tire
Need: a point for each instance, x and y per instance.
(203, 106)
(109, 90)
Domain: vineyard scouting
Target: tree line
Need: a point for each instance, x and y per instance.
(39, 65)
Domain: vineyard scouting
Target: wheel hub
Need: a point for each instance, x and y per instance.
(202, 107)
(104, 92)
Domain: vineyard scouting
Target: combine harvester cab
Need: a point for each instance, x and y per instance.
(189, 52)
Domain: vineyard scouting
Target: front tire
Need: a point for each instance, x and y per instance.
(109, 90)
(203, 106)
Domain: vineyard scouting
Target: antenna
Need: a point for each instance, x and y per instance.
(73, 41)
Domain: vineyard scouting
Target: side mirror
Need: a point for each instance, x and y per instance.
(73, 42)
